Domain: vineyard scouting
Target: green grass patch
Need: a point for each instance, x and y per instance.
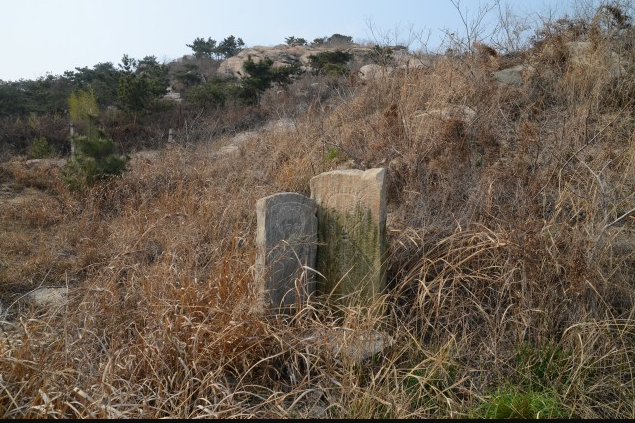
(513, 403)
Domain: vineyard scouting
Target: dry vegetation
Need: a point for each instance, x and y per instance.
(512, 258)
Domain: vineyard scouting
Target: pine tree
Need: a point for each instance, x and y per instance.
(82, 107)
(94, 160)
(202, 48)
(262, 75)
(141, 84)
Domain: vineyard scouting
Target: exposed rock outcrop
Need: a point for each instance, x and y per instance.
(580, 55)
(238, 140)
(372, 71)
(583, 54)
(516, 76)
(284, 55)
(49, 297)
(173, 96)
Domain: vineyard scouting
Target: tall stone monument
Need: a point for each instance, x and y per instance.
(351, 233)
(286, 244)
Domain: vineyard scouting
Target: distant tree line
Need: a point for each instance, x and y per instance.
(335, 40)
(129, 96)
(134, 86)
(36, 112)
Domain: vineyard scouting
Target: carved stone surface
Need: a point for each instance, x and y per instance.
(351, 233)
(286, 243)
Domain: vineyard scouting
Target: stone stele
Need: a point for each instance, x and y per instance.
(286, 244)
(351, 233)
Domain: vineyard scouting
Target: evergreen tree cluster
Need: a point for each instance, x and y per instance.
(228, 47)
(94, 160)
(133, 86)
(136, 86)
(127, 96)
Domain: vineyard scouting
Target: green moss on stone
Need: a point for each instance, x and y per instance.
(351, 254)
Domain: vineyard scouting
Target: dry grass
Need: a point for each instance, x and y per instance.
(511, 261)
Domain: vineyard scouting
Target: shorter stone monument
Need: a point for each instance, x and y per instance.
(351, 233)
(286, 244)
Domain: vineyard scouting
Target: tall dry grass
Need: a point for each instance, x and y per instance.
(510, 265)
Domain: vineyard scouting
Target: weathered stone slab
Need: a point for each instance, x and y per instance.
(286, 244)
(351, 232)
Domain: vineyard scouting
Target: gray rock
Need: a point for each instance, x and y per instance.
(516, 76)
(253, 52)
(370, 72)
(286, 246)
(284, 55)
(282, 125)
(237, 141)
(305, 58)
(280, 64)
(409, 63)
(49, 297)
(173, 96)
(226, 150)
(351, 233)
(234, 66)
(581, 53)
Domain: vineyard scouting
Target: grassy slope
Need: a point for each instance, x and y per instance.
(511, 270)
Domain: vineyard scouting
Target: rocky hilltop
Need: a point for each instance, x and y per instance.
(367, 65)
(284, 55)
(365, 56)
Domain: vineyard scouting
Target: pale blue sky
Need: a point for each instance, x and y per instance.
(40, 36)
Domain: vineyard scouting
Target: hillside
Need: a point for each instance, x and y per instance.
(511, 256)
